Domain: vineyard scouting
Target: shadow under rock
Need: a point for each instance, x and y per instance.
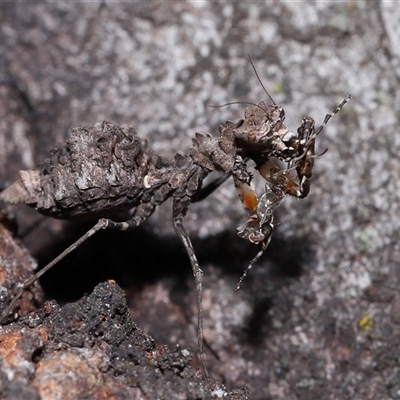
(284, 260)
(286, 256)
(140, 257)
(134, 258)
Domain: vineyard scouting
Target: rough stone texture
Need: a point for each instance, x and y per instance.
(318, 317)
(16, 266)
(92, 349)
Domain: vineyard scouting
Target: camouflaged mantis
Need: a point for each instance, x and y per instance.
(105, 168)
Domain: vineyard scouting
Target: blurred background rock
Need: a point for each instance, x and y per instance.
(295, 330)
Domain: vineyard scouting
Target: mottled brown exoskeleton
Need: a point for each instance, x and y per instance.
(105, 168)
(296, 152)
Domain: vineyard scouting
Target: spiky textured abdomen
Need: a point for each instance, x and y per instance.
(100, 168)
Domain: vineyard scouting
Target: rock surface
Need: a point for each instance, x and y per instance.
(318, 317)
